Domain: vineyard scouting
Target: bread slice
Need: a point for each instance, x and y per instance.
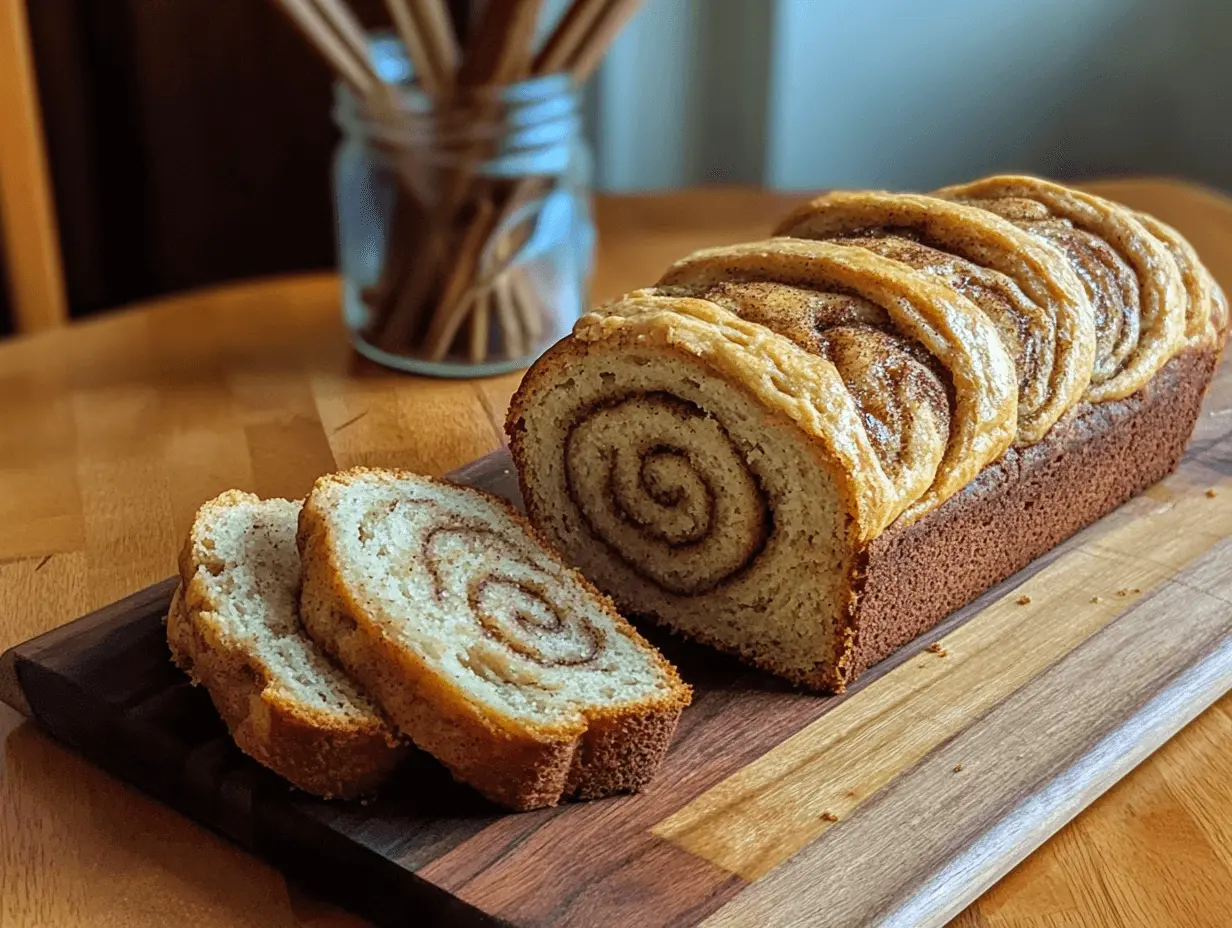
(234, 628)
(480, 644)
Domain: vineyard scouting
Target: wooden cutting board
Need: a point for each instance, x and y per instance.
(896, 804)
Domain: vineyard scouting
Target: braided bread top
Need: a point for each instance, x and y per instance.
(1024, 286)
(917, 337)
(1131, 277)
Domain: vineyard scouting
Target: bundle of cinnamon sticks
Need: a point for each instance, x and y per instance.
(447, 291)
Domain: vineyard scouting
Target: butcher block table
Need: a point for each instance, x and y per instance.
(113, 431)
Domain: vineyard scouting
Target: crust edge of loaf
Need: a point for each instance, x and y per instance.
(1092, 462)
(514, 766)
(327, 760)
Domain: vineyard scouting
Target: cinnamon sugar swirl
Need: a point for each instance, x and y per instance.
(482, 646)
(1026, 289)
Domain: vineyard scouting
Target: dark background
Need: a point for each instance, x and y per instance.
(189, 143)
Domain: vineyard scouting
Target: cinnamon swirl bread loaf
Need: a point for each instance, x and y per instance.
(483, 647)
(234, 628)
(809, 450)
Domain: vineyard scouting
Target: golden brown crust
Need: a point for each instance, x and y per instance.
(1206, 312)
(321, 755)
(519, 764)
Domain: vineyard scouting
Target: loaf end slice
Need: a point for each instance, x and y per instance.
(480, 644)
(706, 472)
(234, 628)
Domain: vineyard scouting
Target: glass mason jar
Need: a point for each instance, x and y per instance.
(465, 234)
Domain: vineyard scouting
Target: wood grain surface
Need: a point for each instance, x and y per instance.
(112, 432)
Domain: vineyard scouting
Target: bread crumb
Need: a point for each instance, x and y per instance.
(853, 794)
(936, 648)
(1211, 493)
(1130, 591)
(1023, 600)
(1097, 599)
(829, 816)
(958, 768)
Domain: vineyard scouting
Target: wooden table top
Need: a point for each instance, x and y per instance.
(113, 431)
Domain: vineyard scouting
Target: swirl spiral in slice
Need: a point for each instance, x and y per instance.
(453, 576)
(667, 490)
(1130, 276)
(704, 470)
(513, 602)
(881, 325)
(1038, 305)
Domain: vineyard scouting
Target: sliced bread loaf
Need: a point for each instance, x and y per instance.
(480, 644)
(234, 628)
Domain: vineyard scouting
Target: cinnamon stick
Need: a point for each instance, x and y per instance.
(347, 27)
(479, 327)
(595, 45)
(562, 45)
(524, 295)
(438, 33)
(512, 339)
(431, 78)
(450, 311)
(356, 72)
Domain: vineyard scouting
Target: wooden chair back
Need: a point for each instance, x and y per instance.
(29, 236)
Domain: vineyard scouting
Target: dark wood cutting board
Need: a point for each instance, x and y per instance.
(896, 804)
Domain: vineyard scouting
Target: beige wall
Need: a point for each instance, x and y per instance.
(909, 94)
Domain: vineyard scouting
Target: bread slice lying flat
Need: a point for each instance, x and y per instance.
(234, 628)
(482, 647)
